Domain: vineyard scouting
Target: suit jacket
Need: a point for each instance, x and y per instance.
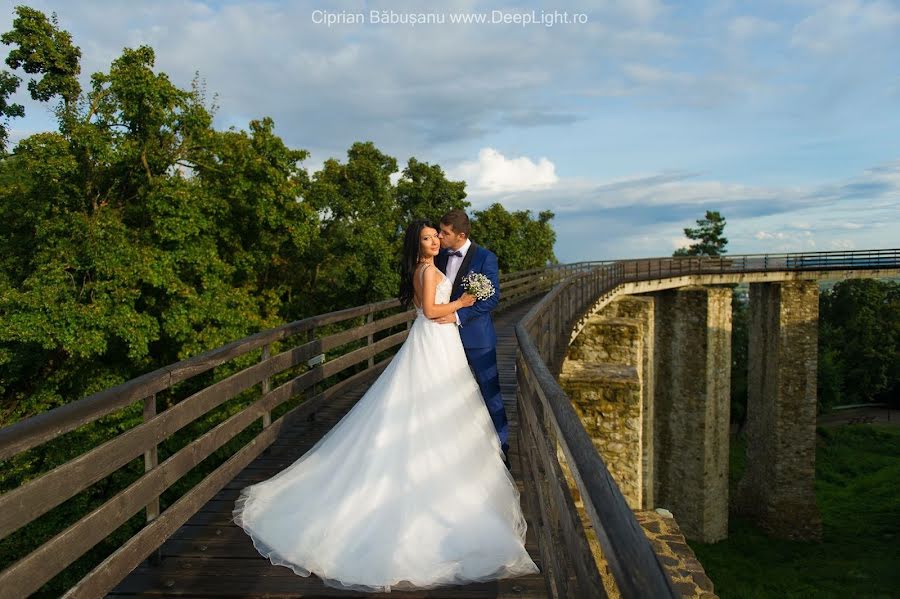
(476, 325)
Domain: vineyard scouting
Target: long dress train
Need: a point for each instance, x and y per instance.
(408, 490)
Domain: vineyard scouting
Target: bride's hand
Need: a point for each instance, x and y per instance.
(466, 300)
(447, 319)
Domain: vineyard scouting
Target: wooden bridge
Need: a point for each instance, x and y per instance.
(277, 392)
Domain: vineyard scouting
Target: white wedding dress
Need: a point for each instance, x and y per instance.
(408, 490)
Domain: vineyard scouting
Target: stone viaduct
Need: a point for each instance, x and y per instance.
(648, 371)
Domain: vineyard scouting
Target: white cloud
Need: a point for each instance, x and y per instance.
(720, 99)
(677, 242)
(641, 10)
(495, 173)
(842, 244)
(762, 235)
(745, 27)
(838, 24)
(628, 212)
(645, 74)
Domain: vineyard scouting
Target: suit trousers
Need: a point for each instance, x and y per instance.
(483, 361)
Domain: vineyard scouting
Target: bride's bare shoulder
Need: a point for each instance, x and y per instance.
(430, 271)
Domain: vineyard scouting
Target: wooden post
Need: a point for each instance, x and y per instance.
(266, 387)
(151, 460)
(371, 338)
(310, 336)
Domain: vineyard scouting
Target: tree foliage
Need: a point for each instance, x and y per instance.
(859, 342)
(136, 234)
(425, 192)
(708, 237)
(520, 241)
(9, 83)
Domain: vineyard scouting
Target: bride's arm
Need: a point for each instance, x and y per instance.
(433, 310)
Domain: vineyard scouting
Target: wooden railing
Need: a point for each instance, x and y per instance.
(291, 365)
(358, 343)
(548, 423)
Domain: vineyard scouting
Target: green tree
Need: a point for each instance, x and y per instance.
(136, 235)
(520, 241)
(362, 217)
(859, 342)
(423, 191)
(830, 367)
(41, 47)
(355, 256)
(9, 83)
(708, 236)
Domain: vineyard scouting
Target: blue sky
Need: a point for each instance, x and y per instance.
(628, 124)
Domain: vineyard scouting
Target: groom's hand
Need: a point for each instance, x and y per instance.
(446, 319)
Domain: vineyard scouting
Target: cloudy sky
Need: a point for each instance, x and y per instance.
(629, 121)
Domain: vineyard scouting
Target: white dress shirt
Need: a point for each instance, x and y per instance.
(454, 262)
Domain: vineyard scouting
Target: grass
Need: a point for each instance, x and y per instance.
(858, 492)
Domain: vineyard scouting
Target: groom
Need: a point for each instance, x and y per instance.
(457, 258)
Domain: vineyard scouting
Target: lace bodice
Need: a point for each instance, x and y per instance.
(442, 291)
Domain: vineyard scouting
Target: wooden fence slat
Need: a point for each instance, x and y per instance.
(370, 328)
(28, 574)
(370, 339)
(34, 498)
(632, 561)
(578, 550)
(110, 571)
(38, 429)
(554, 564)
(106, 575)
(151, 456)
(23, 504)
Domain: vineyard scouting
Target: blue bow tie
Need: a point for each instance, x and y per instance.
(456, 253)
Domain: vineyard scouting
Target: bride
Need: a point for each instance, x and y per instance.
(409, 489)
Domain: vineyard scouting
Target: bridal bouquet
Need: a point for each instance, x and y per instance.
(478, 285)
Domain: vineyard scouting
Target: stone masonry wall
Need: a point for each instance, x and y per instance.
(692, 406)
(604, 373)
(640, 308)
(777, 489)
(607, 398)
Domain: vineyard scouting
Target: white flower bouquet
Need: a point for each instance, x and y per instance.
(478, 285)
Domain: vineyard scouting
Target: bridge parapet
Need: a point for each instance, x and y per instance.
(563, 446)
(358, 342)
(287, 380)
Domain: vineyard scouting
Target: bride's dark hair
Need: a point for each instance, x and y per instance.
(410, 259)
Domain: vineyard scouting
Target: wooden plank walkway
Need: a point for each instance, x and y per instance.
(211, 557)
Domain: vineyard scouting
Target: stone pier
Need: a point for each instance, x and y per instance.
(692, 407)
(607, 373)
(777, 490)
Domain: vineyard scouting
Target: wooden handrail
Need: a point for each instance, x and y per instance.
(40, 428)
(35, 497)
(547, 417)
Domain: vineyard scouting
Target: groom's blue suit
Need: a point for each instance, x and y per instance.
(477, 332)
